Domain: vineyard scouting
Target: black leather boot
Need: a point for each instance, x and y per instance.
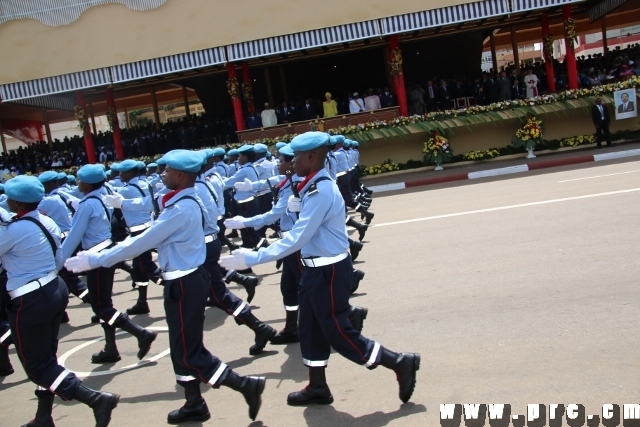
(355, 248)
(194, 409)
(64, 318)
(43, 413)
(357, 316)
(233, 234)
(126, 267)
(109, 354)
(358, 275)
(362, 228)
(317, 391)
(248, 282)
(405, 365)
(290, 332)
(95, 319)
(102, 403)
(366, 190)
(250, 387)
(141, 306)
(264, 334)
(5, 364)
(145, 337)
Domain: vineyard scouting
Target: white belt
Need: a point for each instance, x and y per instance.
(341, 173)
(350, 169)
(32, 286)
(139, 227)
(173, 275)
(246, 200)
(210, 238)
(64, 234)
(220, 217)
(262, 193)
(322, 261)
(100, 246)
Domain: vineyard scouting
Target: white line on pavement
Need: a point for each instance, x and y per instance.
(598, 176)
(616, 155)
(499, 171)
(387, 187)
(502, 208)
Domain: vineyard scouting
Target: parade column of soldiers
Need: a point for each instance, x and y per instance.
(181, 206)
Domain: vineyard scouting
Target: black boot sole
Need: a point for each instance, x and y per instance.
(194, 417)
(100, 360)
(138, 310)
(145, 344)
(6, 372)
(314, 401)
(285, 338)
(414, 368)
(259, 346)
(253, 397)
(104, 419)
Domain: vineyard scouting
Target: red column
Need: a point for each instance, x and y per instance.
(548, 62)
(117, 136)
(88, 137)
(570, 58)
(237, 104)
(398, 79)
(246, 78)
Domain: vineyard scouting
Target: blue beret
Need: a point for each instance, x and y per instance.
(206, 153)
(245, 149)
(127, 165)
(260, 148)
(91, 174)
(104, 168)
(286, 150)
(25, 189)
(108, 173)
(309, 141)
(62, 175)
(232, 152)
(336, 139)
(115, 166)
(183, 160)
(141, 165)
(355, 143)
(48, 176)
(219, 151)
(71, 178)
(152, 165)
(280, 144)
(347, 143)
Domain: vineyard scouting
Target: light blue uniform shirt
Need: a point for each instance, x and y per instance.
(278, 212)
(204, 192)
(53, 207)
(233, 167)
(3, 202)
(320, 230)
(330, 165)
(341, 160)
(89, 226)
(116, 182)
(222, 169)
(133, 218)
(246, 171)
(25, 251)
(177, 233)
(217, 182)
(153, 179)
(357, 154)
(264, 171)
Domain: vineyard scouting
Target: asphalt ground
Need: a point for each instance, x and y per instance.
(514, 290)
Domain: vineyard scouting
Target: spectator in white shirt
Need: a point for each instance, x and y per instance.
(268, 116)
(372, 101)
(356, 105)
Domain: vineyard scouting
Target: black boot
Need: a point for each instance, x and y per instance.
(233, 234)
(368, 216)
(101, 402)
(290, 332)
(126, 267)
(357, 316)
(194, 409)
(141, 306)
(109, 354)
(145, 337)
(43, 413)
(249, 283)
(316, 392)
(366, 190)
(5, 364)
(362, 228)
(250, 387)
(355, 248)
(95, 319)
(358, 275)
(405, 365)
(64, 318)
(264, 334)
(278, 264)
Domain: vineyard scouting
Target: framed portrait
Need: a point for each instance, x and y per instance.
(625, 103)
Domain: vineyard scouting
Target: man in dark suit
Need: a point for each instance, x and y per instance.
(444, 96)
(504, 87)
(601, 119)
(431, 97)
(286, 114)
(309, 111)
(626, 105)
(387, 98)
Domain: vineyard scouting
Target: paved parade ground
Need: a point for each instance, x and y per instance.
(516, 291)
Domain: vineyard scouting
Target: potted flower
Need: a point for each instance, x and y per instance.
(437, 150)
(528, 135)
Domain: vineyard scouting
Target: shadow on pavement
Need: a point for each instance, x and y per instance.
(327, 415)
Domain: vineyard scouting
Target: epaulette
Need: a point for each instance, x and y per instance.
(313, 189)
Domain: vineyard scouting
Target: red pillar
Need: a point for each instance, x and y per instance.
(246, 78)
(88, 137)
(237, 104)
(398, 79)
(548, 62)
(117, 136)
(570, 58)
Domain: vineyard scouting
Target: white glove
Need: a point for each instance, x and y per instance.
(159, 185)
(235, 223)
(243, 186)
(294, 204)
(74, 203)
(78, 263)
(235, 261)
(114, 200)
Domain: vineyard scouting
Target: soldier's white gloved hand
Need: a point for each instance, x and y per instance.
(294, 204)
(78, 263)
(235, 223)
(74, 203)
(243, 186)
(159, 185)
(235, 261)
(114, 200)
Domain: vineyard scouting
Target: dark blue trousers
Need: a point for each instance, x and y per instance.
(290, 280)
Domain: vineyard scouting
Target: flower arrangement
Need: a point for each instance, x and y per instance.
(81, 116)
(247, 92)
(437, 150)
(482, 154)
(548, 47)
(529, 134)
(317, 125)
(386, 166)
(577, 140)
(232, 88)
(570, 29)
(395, 61)
(112, 117)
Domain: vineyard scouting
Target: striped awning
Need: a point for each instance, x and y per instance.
(51, 102)
(524, 5)
(305, 40)
(168, 65)
(444, 16)
(604, 7)
(56, 84)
